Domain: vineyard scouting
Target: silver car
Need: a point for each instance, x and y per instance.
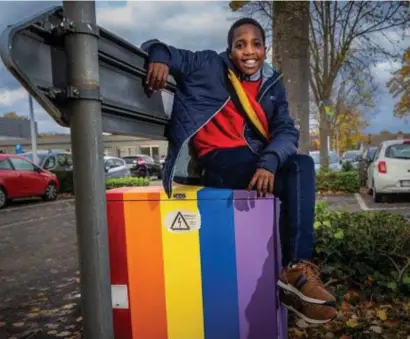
(352, 157)
(115, 168)
(334, 163)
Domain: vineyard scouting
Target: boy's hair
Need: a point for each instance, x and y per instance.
(242, 22)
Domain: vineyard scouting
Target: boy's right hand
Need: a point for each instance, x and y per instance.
(157, 76)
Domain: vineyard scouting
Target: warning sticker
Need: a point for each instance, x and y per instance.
(182, 221)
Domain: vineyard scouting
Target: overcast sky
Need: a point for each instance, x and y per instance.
(192, 25)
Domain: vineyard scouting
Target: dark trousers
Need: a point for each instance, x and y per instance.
(294, 186)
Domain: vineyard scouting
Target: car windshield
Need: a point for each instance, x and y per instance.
(130, 160)
(371, 152)
(350, 155)
(29, 156)
(316, 158)
(398, 151)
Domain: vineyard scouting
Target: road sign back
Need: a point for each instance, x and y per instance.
(33, 51)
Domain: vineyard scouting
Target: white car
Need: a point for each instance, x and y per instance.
(334, 163)
(389, 171)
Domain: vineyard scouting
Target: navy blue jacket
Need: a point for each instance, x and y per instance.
(201, 92)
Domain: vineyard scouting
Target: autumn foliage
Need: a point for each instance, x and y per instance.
(399, 86)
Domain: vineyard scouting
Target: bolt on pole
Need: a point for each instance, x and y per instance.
(81, 48)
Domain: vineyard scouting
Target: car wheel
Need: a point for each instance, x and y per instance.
(3, 197)
(51, 192)
(377, 197)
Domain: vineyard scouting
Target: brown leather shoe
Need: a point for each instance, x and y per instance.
(303, 280)
(311, 313)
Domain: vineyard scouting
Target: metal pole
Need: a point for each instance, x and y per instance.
(33, 131)
(86, 141)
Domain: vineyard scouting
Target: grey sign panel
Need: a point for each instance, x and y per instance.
(33, 51)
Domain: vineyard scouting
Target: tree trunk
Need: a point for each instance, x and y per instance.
(323, 133)
(290, 54)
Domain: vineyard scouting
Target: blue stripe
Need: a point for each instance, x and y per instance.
(218, 262)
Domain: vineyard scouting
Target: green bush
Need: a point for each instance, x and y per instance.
(338, 181)
(126, 182)
(369, 250)
(347, 167)
(65, 178)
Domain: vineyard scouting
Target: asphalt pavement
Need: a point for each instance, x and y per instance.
(39, 294)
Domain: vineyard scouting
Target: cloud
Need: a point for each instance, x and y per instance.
(12, 97)
(194, 25)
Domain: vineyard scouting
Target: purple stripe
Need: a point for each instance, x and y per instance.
(254, 221)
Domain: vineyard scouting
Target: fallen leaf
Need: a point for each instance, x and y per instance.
(52, 326)
(345, 306)
(302, 324)
(381, 314)
(33, 315)
(63, 334)
(352, 323)
(391, 323)
(53, 332)
(20, 324)
(69, 306)
(376, 329)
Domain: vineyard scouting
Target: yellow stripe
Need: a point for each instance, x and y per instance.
(243, 98)
(182, 270)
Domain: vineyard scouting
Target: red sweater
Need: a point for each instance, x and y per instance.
(225, 129)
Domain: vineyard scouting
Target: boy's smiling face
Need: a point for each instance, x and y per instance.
(248, 50)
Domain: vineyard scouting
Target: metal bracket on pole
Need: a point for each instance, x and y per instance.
(67, 27)
(71, 92)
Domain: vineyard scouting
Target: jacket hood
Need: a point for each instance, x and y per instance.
(267, 71)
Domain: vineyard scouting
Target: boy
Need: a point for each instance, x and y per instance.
(235, 151)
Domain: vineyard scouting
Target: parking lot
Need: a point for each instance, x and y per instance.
(39, 281)
(38, 271)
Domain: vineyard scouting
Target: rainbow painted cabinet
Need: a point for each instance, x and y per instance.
(202, 265)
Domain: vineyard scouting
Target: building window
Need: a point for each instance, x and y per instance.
(152, 151)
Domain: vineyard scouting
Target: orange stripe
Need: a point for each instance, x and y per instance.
(145, 265)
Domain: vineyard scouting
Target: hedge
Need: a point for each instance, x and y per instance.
(348, 182)
(126, 182)
(369, 250)
(65, 179)
(325, 181)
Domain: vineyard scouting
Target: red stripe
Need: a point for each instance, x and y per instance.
(118, 262)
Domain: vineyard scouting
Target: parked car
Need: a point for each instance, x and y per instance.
(351, 157)
(20, 178)
(389, 172)
(334, 164)
(115, 168)
(52, 160)
(143, 166)
(365, 159)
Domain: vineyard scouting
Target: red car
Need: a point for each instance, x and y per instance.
(20, 178)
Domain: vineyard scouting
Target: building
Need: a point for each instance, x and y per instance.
(114, 145)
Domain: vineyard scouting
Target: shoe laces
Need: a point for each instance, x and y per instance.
(311, 272)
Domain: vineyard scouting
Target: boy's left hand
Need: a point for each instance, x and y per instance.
(263, 180)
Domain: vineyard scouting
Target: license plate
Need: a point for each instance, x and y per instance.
(405, 183)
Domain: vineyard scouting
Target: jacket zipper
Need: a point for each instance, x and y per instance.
(189, 138)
